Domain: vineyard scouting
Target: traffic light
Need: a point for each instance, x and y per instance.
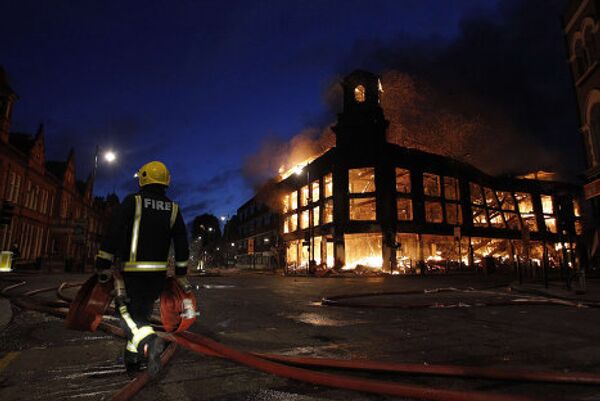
(7, 212)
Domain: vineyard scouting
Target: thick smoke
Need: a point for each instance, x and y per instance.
(499, 96)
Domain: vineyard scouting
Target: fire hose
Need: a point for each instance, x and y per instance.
(342, 300)
(277, 364)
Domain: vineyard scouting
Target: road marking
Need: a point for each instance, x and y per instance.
(7, 359)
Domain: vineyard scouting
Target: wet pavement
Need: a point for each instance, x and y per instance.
(40, 359)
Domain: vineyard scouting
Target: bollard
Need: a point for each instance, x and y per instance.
(6, 261)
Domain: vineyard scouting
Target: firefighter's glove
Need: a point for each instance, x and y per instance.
(104, 276)
(184, 284)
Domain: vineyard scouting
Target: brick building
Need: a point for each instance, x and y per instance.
(582, 38)
(372, 204)
(57, 221)
(257, 240)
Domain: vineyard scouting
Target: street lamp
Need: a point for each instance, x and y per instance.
(110, 156)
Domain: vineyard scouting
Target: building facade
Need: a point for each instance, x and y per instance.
(367, 203)
(257, 241)
(56, 219)
(582, 38)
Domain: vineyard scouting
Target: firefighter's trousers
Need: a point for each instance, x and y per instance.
(143, 288)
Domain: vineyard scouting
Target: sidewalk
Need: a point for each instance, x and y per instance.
(557, 289)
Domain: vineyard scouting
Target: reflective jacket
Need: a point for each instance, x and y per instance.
(141, 231)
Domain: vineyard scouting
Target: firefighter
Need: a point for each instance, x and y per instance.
(139, 238)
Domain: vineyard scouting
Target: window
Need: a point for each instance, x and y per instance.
(548, 212)
(304, 219)
(506, 200)
(286, 224)
(402, 180)
(360, 94)
(547, 205)
(525, 205)
(433, 212)
(294, 200)
(496, 219)
(512, 219)
(328, 185)
(304, 196)
(479, 217)
(576, 208)
(315, 191)
(286, 203)
(451, 190)
(293, 222)
(453, 213)
(404, 208)
(476, 194)
(490, 198)
(363, 250)
(328, 212)
(316, 216)
(577, 213)
(524, 201)
(362, 209)
(361, 180)
(431, 184)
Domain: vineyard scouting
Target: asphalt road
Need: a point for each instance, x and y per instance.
(41, 360)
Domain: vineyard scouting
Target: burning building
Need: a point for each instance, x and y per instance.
(372, 204)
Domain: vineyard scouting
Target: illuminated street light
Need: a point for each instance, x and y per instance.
(223, 218)
(266, 240)
(110, 156)
(210, 228)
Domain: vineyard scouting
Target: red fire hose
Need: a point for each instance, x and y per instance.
(268, 363)
(191, 341)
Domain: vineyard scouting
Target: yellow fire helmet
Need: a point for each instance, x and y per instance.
(154, 173)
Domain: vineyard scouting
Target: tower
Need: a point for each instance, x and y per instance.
(361, 125)
(7, 98)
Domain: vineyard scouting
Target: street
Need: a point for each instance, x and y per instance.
(265, 313)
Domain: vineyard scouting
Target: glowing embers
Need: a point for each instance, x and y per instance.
(444, 253)
(363, 209)
(407, 253)
(363, 250)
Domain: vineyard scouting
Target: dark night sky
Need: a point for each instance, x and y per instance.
(199, 85)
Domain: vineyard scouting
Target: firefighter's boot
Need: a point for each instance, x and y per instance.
(132, 361)
(153, 349)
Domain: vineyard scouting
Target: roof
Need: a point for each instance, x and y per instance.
(23, 142)
(56, 168)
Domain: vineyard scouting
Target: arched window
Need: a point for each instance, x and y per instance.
(360, 94)
(593, 138)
